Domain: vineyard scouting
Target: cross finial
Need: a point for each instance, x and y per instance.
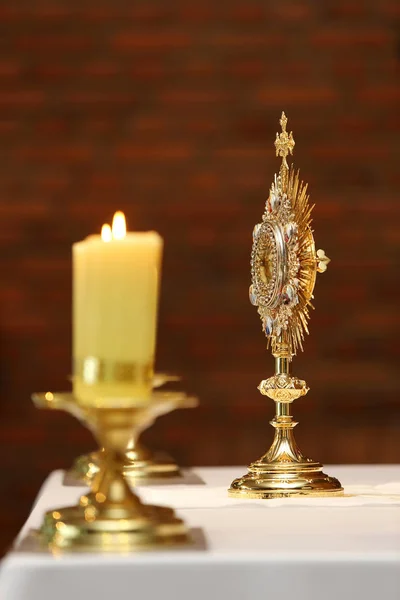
(284, 142)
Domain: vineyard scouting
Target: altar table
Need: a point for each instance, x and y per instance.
(323, 548)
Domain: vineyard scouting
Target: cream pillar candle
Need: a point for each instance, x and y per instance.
(115, 300)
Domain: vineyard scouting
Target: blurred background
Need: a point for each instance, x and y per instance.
(168, 111)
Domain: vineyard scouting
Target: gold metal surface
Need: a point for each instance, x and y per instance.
(141, 464)
(111, 517)
(284, 265)
(92, 369)
(284, 142)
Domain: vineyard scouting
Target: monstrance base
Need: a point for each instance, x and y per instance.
(277, 480)
(72, 528)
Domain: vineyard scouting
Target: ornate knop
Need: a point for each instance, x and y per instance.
(283, 388)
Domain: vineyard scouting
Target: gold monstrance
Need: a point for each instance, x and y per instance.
(284, 265)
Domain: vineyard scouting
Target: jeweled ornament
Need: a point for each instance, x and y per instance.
(275, 202)
(256, 230)
(268, 325)
(290, 232)
(284, 265)
(289, 296)
(252, 296)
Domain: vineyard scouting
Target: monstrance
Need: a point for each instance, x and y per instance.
(284, 264)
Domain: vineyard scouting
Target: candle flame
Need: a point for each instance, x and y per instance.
(106, 233)
(119, 226)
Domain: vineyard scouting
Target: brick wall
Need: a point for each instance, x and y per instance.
(168, 111)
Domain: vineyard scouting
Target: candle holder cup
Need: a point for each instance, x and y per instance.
(111, 517)
(141, 464)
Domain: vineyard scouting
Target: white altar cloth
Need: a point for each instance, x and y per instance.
(322, 548)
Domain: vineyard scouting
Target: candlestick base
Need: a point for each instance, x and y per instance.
(140, 466)
(111, 529)
(111, 517)
(144, 465)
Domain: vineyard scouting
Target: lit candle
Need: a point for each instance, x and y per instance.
(115, 298)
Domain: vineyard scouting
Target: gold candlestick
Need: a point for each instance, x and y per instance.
(141, 464)
(284, 265)
(111, 517)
